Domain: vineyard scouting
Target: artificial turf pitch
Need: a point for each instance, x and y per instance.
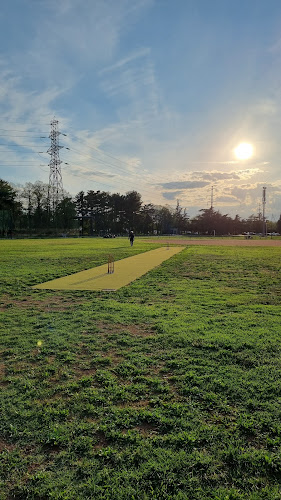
(125, 271)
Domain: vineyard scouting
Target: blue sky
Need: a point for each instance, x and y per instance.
(154, 95)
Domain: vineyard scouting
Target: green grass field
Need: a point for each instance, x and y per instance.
(168, 388)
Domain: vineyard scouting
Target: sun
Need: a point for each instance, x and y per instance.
(244, 151)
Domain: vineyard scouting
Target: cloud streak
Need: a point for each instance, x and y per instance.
(172, 195)
(184, 185)
(125, 61)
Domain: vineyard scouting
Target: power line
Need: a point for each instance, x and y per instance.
(12, 136)
(17, 130)
(18, 166)
(21, 161)
(94, 159)
(126, 172)
(107, 185)
(104, 184)
(28, 147)
(30, 124)
(117, 168)
(98, 160)
(11, 151)
(106, 154)
(79, 152)
(101, 151)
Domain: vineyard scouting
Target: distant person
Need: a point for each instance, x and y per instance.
(131, 237)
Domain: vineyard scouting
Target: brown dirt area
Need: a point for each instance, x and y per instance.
(55, 304)
(219, 242)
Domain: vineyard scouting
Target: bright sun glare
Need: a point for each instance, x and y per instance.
(244, 151)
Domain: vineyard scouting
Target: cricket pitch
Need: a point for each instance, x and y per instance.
(125, 271)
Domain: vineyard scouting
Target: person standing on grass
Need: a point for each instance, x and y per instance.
(131, 237)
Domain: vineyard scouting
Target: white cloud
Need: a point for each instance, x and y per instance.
(132, 85)
(73, 37)
(125, 60)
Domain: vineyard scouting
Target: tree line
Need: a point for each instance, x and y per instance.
(29, 211)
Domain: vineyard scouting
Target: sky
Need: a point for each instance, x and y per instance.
(152, 96)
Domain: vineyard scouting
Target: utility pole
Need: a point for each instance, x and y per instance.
(55, 188)
(263, 211)
(212, 197)
(259, 212)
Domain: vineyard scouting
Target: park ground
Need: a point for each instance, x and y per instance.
(168, 388)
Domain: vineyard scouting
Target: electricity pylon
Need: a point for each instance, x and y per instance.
(263, 211)
(212, 197)
(55, 188)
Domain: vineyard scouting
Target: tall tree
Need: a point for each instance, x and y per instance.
(117, 213)
(278, 225)
(132, 205)
(10, 207)
(212, 222)
(66, 214)
(254, 223)
(163, 220)
(7, 195)
(41, 214)
(146, 216)
(97, 211)
(180, 218)
(27, 196)
(81, 210)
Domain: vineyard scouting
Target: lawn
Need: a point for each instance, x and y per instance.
(168, 388)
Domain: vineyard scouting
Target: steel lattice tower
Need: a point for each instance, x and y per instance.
(212, 198)
(55, 189)
(263, 211)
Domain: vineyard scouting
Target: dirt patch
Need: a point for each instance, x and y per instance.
(5, 446)
(134, 330)
(81, 372)
(134, 405)
(51, 449)
(146, 429)
(138, 331)
(2, 371)
(53, 304)
(33, 467)
(263, 242)
(102, 442)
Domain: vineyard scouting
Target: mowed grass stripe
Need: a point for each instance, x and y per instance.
(125, 271)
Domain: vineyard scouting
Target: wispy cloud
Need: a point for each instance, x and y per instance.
(125, 60)
(172, 195)
(72, 38)
(132, 85)
(89, 172)
(215, 176)
(226, 199)
(184, 185)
